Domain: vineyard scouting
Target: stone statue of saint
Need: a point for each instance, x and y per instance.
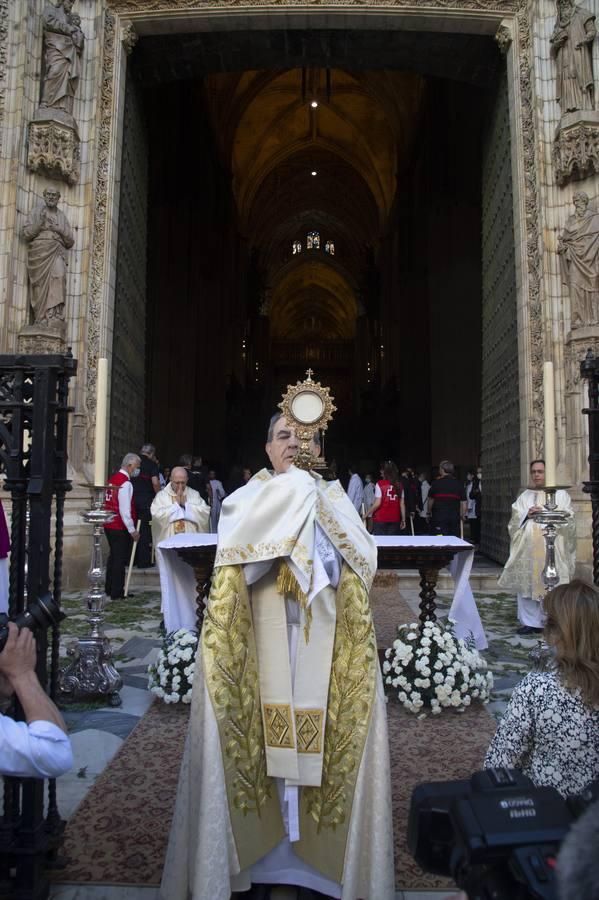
(571, 45)
(578, 247)
(49, 235)
(63, 49)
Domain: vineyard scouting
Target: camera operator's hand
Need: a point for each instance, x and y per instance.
(17, 664)
(18, 656)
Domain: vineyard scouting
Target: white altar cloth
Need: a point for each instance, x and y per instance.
(463, 612)
(178, 583)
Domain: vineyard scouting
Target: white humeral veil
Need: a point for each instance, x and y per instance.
(202, 861)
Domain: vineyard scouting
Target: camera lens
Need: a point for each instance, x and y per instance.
(39, 615)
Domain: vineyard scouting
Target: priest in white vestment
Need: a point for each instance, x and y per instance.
(178, 509)
(522, 572)
(285, 776)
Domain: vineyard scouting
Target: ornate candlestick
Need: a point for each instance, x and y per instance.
(92, 672)
(550, 519)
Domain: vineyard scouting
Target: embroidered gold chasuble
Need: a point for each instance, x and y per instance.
(325, 732)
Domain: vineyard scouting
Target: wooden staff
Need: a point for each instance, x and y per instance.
(461, 528)
(131, 561)
(412, 525)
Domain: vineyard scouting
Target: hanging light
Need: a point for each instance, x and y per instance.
(314, 104)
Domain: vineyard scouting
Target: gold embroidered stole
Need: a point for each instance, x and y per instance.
(231, 674)
(325, 811)
(293, 708)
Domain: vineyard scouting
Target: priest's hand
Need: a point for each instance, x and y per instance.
(533, 511)
(135, 536)
(180, 493)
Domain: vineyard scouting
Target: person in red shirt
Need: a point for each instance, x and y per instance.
(120, 532)
(388, 510)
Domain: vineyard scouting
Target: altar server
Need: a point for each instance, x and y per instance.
(285, 776)
(522, 572)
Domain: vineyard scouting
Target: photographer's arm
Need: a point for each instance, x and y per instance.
(17, 664)
(38, 748)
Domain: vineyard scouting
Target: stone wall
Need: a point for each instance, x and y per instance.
(500, 414)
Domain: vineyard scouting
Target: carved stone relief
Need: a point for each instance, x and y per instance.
(49, 235)
(571, 47)
(578, 249)
(576, 144)
(53, 135)
(531, 226)
(100, 227)
(576, 147)
(3, 57)
(503, 37)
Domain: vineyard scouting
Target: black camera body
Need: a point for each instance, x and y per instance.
(496, 835)
(39, 615)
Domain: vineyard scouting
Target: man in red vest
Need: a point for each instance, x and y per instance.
(121, 531)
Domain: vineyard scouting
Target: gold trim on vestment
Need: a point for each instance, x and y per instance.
(245, 553)
(326, 810)
(287, 583)
(279, 732)
(231, 674)
(308, 728)
(345, 547)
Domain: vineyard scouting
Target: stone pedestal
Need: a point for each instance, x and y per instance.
(53, 145)
(42, 338)
(576, 146)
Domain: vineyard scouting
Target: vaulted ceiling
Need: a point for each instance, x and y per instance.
(314, 149)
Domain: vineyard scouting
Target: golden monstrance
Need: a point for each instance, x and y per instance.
(309, 407)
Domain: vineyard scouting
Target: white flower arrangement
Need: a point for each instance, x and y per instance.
(171, 676)
(430, 669)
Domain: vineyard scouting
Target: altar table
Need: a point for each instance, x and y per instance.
(186, 562)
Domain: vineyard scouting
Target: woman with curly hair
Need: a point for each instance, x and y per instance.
(550, 730)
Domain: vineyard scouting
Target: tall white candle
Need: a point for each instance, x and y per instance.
(549, 399)
(101, 423)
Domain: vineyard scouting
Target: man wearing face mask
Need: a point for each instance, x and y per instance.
(121, 531)
(285, 777)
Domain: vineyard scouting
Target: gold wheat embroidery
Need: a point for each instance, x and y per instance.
(351, 692)
(232, 677)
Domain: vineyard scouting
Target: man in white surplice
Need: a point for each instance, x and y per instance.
(177, 509)
(285, 776)
(522, 572)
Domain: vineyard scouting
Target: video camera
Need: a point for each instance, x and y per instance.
(496, 835)
(39, 615)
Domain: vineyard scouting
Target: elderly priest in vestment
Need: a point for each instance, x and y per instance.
(285, 776)
(177, 509)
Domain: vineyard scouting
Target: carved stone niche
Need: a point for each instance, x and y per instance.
(576, 146)
(53, 146)
(42, 338)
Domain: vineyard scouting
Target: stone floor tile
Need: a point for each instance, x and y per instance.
(92, 751)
